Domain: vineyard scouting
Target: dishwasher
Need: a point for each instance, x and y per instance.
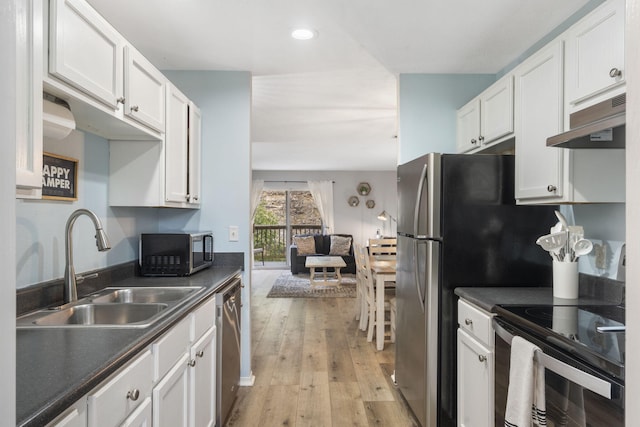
(228, 303)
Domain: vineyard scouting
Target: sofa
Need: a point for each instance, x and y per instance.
(322, 248)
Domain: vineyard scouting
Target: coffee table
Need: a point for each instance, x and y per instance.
(325, 262)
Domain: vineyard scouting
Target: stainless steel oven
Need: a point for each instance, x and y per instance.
(583, 355)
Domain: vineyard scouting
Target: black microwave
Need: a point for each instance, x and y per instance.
(175, 254)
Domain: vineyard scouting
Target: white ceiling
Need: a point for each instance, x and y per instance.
(330, 103)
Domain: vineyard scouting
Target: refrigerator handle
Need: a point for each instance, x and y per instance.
(416, 273)
(416, 216)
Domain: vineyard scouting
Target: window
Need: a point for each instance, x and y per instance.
(281, 215)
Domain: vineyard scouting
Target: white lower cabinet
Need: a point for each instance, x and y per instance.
(185, 395)
(201, 376)
(112, 403)
(141, 417)
(476, 367)
(171, 383)
(171, 396)
(75, 416)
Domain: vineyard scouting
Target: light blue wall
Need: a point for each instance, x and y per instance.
(224, 99)
(605, 225)
(427, 110)
(40, 224)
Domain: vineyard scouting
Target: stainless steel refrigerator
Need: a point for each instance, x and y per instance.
(458, 225)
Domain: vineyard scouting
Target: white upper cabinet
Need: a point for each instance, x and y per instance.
(85, 51)
(595, 56)
(496, 111)
(29, 52)
(176, 146)
(468, 126)
(538, 101)
(113, 90)
(195, 156)
(164, 173)
(486, 119)
(549, 174)
(144, 88)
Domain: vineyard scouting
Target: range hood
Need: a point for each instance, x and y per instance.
(600, 126)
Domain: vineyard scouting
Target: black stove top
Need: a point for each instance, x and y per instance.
(592, 333)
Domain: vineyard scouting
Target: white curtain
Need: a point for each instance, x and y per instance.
(256, 192)
(322, 192)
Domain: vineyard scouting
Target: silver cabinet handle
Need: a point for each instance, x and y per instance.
(551, 188)
(473, 141)
(482, 358)
(614, 72)
(134, 108)
(481, 139)
(468, 322)
(120, 100)
(200, 353)
(192, 363)
(133, 394)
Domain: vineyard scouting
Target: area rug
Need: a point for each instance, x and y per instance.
(298, 286)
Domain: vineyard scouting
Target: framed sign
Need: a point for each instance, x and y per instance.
(59, 177)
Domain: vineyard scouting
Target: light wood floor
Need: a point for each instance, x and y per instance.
(314, 367)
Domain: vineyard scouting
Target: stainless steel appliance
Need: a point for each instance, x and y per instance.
(458, 225)
(175, 254)
(582, 350)
(599, 126)
(228, 303)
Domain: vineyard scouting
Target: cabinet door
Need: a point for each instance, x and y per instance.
(475, 382)
(170, 397)
(141, 417)
(496, 111)
(29, 99)
(468, 126)
(595, 51)
(144, 88)
(85, 51)
(113, 402)
(538, 98)
(176, 146)
(195, 149)
(203, 380)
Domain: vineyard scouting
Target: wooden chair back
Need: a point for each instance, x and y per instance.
(383, 246)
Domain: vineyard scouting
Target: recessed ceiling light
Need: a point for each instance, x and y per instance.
(303, 34)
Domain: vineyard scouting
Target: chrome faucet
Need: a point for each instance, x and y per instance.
(102, 242)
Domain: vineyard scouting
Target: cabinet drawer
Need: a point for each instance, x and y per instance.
(203, 319)
(112, 402)
(476, 321)
(168, 349)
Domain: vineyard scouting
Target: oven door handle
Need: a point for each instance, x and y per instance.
(588, 381)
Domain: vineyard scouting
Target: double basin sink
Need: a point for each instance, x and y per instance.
(133, 307)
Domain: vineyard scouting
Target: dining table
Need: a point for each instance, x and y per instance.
(383, 268)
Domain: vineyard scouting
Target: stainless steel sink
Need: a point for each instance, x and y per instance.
(133, 307)
(143, 295)
(95, 315)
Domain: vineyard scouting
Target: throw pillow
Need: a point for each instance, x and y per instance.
(306, 245)
(340, 245)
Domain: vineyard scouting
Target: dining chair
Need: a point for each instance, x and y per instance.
(370, 297)
(361, 313)
(383, 246)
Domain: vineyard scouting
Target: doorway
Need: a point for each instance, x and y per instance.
(281, 215)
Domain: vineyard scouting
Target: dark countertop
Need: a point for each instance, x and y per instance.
(488, 298)
(58, 366)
